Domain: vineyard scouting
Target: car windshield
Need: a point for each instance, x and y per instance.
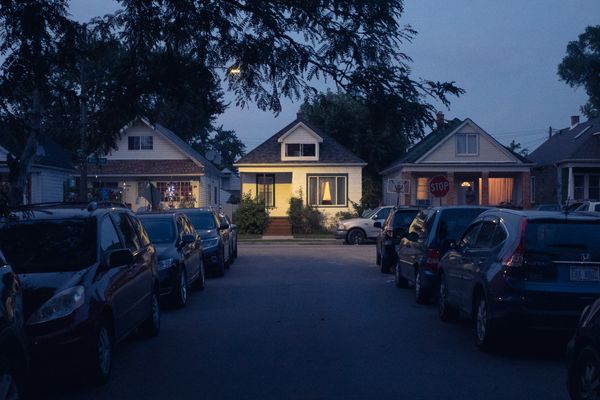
(403, 219)
(203, 221)
(50, 245)
(454, 221)
(160, 230)
(564, 239)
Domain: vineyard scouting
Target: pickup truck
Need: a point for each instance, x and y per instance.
(357, 230)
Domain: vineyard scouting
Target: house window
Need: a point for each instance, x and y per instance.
(423, 191)
(594, 187)
(532, 190)
(500, 191)
(327, 190)
(300, 149)
(141, 142)
(579, 187)
(466, 144)
(265, 189)
(174, 191)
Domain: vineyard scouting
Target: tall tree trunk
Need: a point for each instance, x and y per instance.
(83, 181)
(20, 167)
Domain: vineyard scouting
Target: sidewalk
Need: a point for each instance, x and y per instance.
(287, 240)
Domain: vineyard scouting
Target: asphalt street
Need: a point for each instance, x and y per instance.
(317, 322)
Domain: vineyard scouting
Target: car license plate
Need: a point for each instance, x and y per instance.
(587, 273)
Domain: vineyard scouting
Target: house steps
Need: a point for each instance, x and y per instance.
(278, 226)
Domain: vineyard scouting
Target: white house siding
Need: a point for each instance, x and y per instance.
(300, 135)
(162, 148)
(299, 182)
(48, 185)
(489, 151)
(207, 192)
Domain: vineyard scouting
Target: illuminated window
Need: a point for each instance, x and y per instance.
(327, 190)
(423, 191)
(265, 189)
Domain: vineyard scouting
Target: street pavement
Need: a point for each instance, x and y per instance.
(317, 322)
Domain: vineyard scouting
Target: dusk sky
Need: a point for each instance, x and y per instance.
(503, 53)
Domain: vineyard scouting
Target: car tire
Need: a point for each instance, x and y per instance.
(421, 294)
(399, 280)
(226, 263)
(10, 380)
(99, 354)
(486, 332)
(585, 375)
(200, 283)
(180, 294)
(386, 265)
(446, 312)
(220, 272)
(231, 257)
(377, 257)
(150, 328)
(355, 236)
(235, 250)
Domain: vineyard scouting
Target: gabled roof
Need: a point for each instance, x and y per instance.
(178, 142)
(581, 142)
(330, 151)
(437, 137)
(50, 154)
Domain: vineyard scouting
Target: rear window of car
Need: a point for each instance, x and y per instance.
(564, 239)
(203, 221)
(160, 230)
(50, 245)
(403, 219)
(453, 222)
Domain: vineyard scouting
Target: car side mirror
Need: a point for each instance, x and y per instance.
(224, 226)
(118, 258)
(377, 225)
(187, 239)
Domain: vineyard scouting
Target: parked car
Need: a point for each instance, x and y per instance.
(521, 269)
(14, 357)
(357, 230)
(589, 206)
(179, 252)
(215, 238)
(583, 355)
(429, 237)
(224, 220)
(394, 228)
(548, 207)
(89, 279)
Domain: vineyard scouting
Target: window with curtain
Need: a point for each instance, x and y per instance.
(265, 189)
(500, 190)
(327, 190)
(423, 191)
(177, 190)
(466, 144)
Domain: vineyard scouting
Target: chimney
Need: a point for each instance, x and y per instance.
(574, 121)
(439, 119)
(549, 132)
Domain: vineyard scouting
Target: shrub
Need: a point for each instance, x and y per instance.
(304, 218)
(252, 216)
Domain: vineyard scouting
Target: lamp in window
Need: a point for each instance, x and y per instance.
(326, 197)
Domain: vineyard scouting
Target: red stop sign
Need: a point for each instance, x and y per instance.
(439, 186)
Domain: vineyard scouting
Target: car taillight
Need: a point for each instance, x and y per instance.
(389, 232)
(515, 258)
(432, 258)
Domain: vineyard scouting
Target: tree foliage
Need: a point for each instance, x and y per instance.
(581, 68)
(303, 217)
(251, 217)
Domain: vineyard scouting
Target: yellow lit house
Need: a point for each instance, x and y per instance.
(301, 160)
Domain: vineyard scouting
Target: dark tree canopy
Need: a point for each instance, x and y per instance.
(581, 68)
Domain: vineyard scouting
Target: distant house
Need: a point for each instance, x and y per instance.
(50, 173)
(230, 185)
(300, 159)
(150, 164)
(568, 164)
(479, 170)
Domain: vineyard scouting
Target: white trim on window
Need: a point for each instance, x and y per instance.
(470, 147)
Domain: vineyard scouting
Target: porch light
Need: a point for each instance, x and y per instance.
(465, 184)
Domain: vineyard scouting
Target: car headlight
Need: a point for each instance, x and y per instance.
(60, 305)
(164, 264)
(341, 227)
(211, 242)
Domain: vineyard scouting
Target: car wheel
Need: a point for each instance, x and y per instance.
(226, 263)
(200, 282)
(377, 257)
(180, 294)
(421, 294)
(586, 376)
(355, 236)
(231, 257)
(100, 354)
(221, 266)
(399, 280)
(151, 326)
(9, 387)
(485, 331)
(446, 312)
(235, 253)
(386, 265)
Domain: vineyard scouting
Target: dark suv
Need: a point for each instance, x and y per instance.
(394, 228)
(215, 238)
(89, 278)
(14, 358)
(430, 235)
(521, 268)
(179, 250)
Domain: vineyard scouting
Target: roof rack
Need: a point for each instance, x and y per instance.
(91, 206)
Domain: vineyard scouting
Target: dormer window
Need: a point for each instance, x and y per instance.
(300, 149)
(467, 144)
(140, 143)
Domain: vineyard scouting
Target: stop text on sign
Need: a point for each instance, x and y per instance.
(439, 186)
